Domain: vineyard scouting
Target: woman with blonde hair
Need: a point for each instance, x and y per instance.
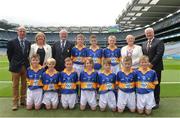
(132, 50)
(41, 48)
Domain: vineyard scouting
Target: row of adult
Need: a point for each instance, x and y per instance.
(19, 50)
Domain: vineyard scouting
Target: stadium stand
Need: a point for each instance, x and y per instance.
(162, 15)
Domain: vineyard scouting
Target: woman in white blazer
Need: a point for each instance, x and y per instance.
(40, 47)
(132, 50)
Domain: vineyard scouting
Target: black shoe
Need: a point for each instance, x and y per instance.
(156, 107)
(23, 104)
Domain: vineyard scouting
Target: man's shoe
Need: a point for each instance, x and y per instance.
(23, 104)
(15, 107)
(156, 107)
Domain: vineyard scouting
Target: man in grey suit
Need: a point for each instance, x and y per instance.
(154, 49)
(18, 53)
(61, 50)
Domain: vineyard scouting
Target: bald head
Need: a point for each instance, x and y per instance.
(149, 32)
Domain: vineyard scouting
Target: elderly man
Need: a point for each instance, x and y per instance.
(61, 49)
(18, 53)
(154, 49)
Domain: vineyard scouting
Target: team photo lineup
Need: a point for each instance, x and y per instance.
(90, 58)
(69, 73)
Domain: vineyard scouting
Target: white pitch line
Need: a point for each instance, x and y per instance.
(161, 82)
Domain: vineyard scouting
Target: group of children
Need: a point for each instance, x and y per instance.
(134, 88)
(84, 76)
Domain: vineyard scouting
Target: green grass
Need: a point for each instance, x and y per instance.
(170, 64)
(170, 107)
(170, 97)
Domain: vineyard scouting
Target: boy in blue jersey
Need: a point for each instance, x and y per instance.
(106, 83)
(50, 85)
(78, 54)
(68, 82)
(113, 53)
(88, 85)
(126, 86)
(34, 83)
(145, 84)
(96, 53)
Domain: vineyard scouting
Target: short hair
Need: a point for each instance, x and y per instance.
(112, 37)
(80, 36)
(106, 61)
(149, 28)
(63, 30)
(130, 36)
(92, 36)
(36, 56)
(127, 59)
(68, 59)
(144, 58)
(51, 61)
(90, 61)
(21, 27)
(40, 34)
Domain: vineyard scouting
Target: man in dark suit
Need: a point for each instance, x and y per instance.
(154, 49)
(61, 50)
(18, 53)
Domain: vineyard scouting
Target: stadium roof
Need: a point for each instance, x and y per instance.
(140, 13)
(137, 14)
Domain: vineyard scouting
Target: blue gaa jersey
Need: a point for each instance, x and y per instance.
(50, 81)
(126, 81)
(88, 81)
(106, 82)
(77, 55)
(145, 82)
(96, 56)
(68, 82)
(114, 55)
(34, 78)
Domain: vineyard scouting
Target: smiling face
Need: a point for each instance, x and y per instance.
(130, 40)
(80, 40)
(34, 61)
(111, 41)
(144, 64)
(68, 64)
(149, 32)
(40, 40)
(127, 64)
(93, 41)
(89, 64)
(21, 31)
(63, 35)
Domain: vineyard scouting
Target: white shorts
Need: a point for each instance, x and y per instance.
(126, 99)
(68, 100)
(107, 99)
(115, 69)
(78, 68)
(34, 97)
(88, 97)
(146, 101)
(50, 98)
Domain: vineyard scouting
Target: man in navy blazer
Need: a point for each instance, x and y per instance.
(154, 49)
(18, 53)
(61, 50)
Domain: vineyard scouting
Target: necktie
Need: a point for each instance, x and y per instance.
(22, 46)
(148, 45)
(62, 45)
